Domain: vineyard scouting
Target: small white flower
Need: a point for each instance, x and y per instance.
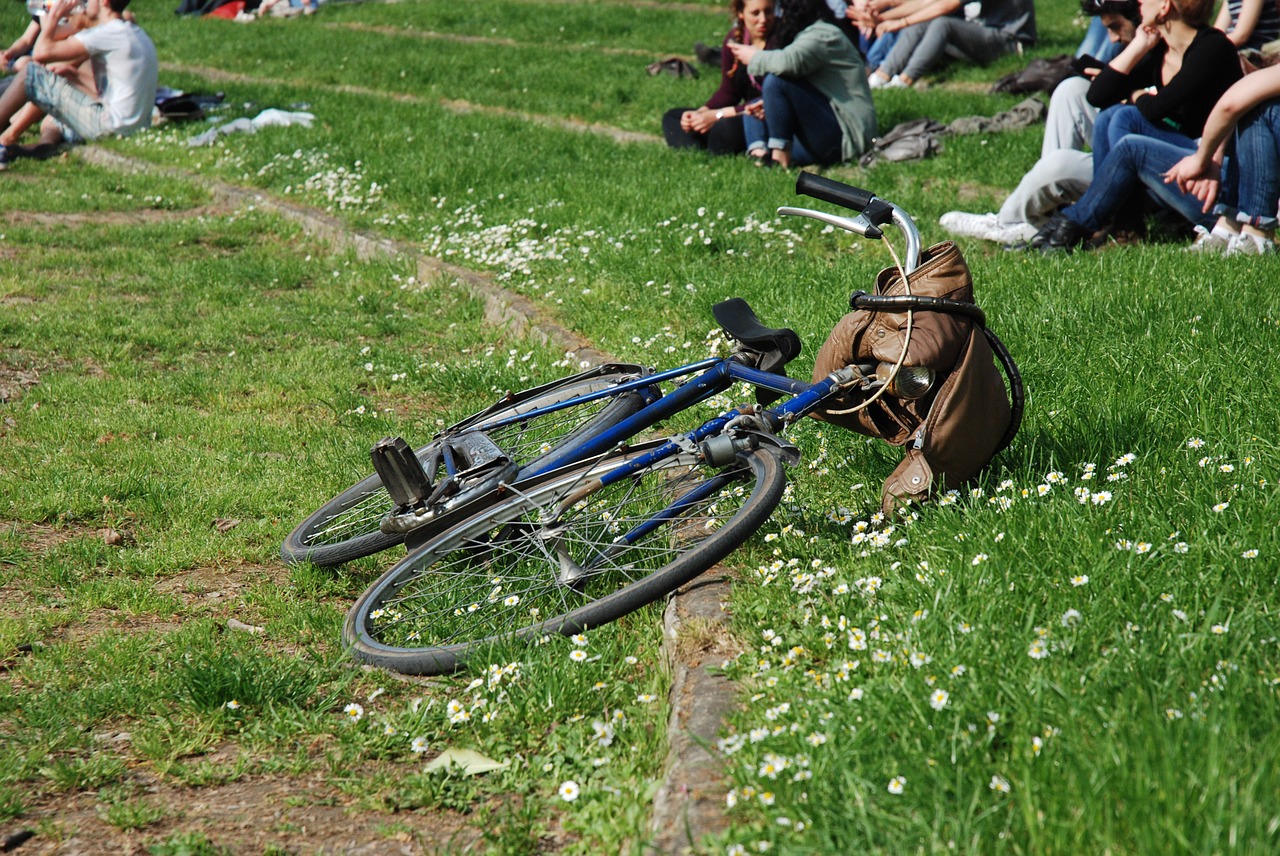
(1221, 507)
(938, 700)
(1071, 617)
(897, 784)
(419, 745)
(999, 784)
(354, 712)
(645, 698)
(577, 655)
(569, 791)
(232, 705)
(1249, 554)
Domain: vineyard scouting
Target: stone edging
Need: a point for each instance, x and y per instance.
(690, 802)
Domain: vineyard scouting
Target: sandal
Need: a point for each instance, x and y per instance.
(761, 157)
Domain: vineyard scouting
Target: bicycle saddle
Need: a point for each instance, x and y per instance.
(776, 346)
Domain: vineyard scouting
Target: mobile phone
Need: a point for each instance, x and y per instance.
(1080, 63)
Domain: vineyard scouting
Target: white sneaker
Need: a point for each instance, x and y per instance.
(985, 227)
(876, 80)
(896, 82)
(1250, 245)
(1216, 242)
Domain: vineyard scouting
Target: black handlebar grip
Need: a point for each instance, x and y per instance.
(844, 195)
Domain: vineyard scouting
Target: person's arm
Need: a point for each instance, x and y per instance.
(1115, 82)
(22, 45)
(56, 44)
(911, 13)
(808, 52)
(1223, 21)
(1242, 31)
(1203, 166)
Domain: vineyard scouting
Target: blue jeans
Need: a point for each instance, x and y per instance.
(876, 48)
(1135, 162)
(1251, 184)
(1097, 42)
(798, 118)
(1116, 123)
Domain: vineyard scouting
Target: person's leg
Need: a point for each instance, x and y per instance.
(676, 136)
(76, 111)
(879, 49)
(1136, 161)
(1128, 121)
(1097, 42)
(799, 113)
(1257, 159)
(726, 137)
(1057, 179)
(14, 97)
(1069, 122)
(904, 46)
(755, 134)
(27, 116)
(971, 39)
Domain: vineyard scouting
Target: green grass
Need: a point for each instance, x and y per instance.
(198, 364)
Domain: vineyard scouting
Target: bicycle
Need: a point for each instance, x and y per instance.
(594, 528)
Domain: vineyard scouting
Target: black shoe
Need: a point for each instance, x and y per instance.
(1059, 234)
(705, 54)
(7, 156)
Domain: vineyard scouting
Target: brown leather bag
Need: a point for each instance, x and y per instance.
(955, 430)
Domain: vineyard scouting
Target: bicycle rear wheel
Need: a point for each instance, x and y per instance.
(346, 527)
(552, 560)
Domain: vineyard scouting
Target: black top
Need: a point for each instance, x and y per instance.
(1209, 68)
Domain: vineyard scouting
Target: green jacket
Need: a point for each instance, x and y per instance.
(824, 57)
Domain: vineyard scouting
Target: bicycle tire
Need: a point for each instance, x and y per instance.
(497, 576)
(346, 527)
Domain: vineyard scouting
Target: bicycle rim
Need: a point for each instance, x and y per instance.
(346, 527)
(529, 567)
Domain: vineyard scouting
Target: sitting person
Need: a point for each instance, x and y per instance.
(1249, 24)
(717, 125)
(1064, 170)
(1247, 221)
(125, 69)
(1173, 72)
(932, 30)
(817, 105)
(867, 15)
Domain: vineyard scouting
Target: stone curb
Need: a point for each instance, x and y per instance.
(690, 803)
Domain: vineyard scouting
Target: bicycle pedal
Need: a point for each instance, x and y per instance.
(401, 472)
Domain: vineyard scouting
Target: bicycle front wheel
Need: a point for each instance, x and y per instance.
(346, 527)
(561, 556)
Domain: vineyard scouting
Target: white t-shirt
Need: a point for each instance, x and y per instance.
(127, 72)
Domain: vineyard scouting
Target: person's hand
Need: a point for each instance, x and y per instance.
(742, 53)
(686, 120)
(61, 9)
(755, 109)
(892, 25)
(700, 121)
(1197, 175)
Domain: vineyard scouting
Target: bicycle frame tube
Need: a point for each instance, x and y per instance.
(716, 379)
(639, 383)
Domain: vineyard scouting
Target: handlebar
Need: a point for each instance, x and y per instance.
(828, 190)
(873, 212)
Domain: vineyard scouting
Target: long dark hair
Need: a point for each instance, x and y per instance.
(795, 15)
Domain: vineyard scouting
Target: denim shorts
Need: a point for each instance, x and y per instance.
(79, 115)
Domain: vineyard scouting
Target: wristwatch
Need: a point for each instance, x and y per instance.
(719, 115)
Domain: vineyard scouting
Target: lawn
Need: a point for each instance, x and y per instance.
(1077, 653)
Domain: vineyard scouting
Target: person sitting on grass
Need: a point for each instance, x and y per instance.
(1250, 24)
(817, 106)
(1247, 215)
(125, 69)
(1064, 170)
(1173, 72)
(717, 125)
(931, 30)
